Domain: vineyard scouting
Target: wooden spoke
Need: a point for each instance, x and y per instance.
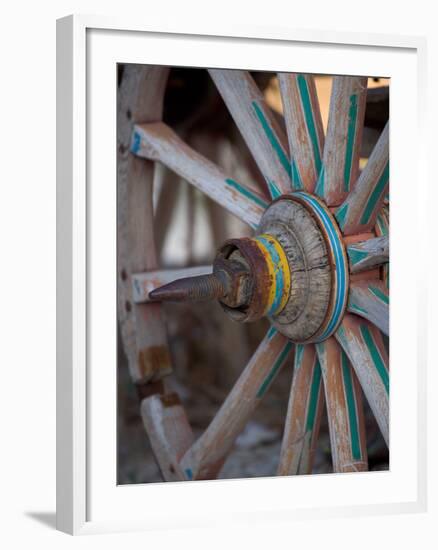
(304, 128)
(259, 128)
(142, 327)
(363, 343)
(370, 300)
(359, 211)
(382, 229)
(343, 140)
(382, 222)
(207, 455)
(143, 283)
(169, 432)
(344, 409)
(303, 418)
(159, 142)
(368, 254)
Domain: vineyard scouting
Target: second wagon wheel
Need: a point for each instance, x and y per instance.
(316, 267)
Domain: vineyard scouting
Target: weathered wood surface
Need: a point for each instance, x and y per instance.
(143, 283)
(364, 346)
(368, 254)
(304, 128)
(306, 402)
(264, 136)
(167, 204)
(370, 300)
(169, 433)
(305, 313)
(160, 143)
(207, 455)
(144, 337)
(344, 409)
(343, 141)
(359, 211)
(382, 229)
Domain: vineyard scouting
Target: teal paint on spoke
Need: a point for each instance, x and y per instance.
(310, 121)
(351, 134)
(341, 333)
(189, 473)
(319, 189)
(383, 226)
(354, 307)
(375, 355)
(356, 255)
(136, 142)
(246, 192)
(296, 178)
(299, 351)
(281, 155)
(273, 189)
(271, 332)
(379, 294)
(313, 399)
(373, 199)
(351, 407)
(267, 381)
(341, 214)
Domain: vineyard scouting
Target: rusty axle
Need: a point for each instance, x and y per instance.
(192, 289)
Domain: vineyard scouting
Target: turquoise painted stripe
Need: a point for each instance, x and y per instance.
(281, 155)
(267, 381)
(246, 192)
(313, 399)
(319, 189)
(373, 199)
(271, 332)
(379, 294)
(341, 214)
(310, 121)
(351, 134)
(299, 351)
(383, 226)
(273, 189)
(341, 264)
(375, 355)
(296, 178)
(279, 275)
(354, 307)
(351, 407)
(135, 143)
(356, 255)
(189, 473)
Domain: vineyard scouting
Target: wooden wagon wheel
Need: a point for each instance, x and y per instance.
(317, 267)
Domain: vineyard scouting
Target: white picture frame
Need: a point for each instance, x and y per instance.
(88, 500)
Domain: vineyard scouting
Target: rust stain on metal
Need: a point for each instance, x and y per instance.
(258, 297)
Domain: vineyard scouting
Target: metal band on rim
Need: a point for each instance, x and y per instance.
(339, 261)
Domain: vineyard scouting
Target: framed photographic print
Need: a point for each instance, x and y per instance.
(225, 207)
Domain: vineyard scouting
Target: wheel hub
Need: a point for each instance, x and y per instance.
(294, 271)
